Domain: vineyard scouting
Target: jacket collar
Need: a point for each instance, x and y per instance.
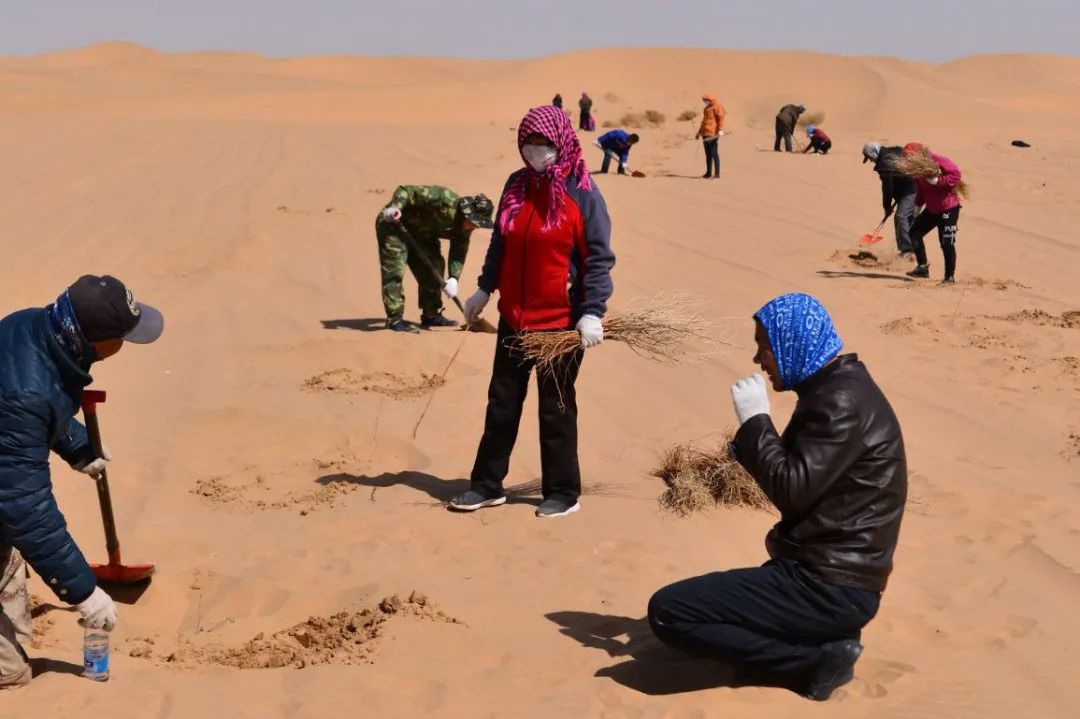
(74, 375)
(815, 380)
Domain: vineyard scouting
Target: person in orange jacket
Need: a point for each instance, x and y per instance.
(712, 127)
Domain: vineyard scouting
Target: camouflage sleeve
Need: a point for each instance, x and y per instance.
(402, 197)
(459, 248)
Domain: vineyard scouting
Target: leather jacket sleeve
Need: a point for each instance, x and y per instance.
(797, 472)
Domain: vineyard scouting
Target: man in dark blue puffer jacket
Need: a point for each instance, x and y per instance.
(45, 358)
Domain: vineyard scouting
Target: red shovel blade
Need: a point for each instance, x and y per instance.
(116, 572)
(871, 239)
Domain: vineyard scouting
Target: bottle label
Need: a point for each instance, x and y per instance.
(96, 664)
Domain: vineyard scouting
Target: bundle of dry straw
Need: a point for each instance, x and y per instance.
(664, 328)
(811, 118)
(697, 479)
(922, 166)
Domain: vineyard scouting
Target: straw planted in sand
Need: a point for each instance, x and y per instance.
(697, 480)
(664, 329)
(922, 166)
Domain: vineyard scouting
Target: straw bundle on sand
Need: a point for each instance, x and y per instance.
(697, 479)
(811, 118)
(664, 329)
(922, 166)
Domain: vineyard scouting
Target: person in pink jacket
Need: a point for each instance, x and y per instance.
(939, 196)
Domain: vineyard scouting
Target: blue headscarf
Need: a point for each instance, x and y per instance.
(64, 326)
(801, 335)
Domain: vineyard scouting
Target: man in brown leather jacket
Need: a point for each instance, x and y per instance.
(838, 476)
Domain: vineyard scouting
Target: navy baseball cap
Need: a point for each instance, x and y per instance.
(107, 310)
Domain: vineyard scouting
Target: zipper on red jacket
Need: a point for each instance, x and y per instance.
(524, 262)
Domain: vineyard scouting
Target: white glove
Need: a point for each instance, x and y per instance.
(597, 143)
(720, 133)
(450, 288)
(475, 305)
(591, 330)
(750, 397)
(98, 611)
(393, 214)
(934, 180)
(95, 467)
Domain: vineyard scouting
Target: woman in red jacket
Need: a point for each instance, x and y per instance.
(550, 259)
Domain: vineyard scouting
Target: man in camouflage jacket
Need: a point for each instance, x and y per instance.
(414, 220)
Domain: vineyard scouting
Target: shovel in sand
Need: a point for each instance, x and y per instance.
(613, 156)
(115, 571)
(876, 235)
(477, 325)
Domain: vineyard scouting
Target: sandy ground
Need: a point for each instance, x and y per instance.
(263, 449)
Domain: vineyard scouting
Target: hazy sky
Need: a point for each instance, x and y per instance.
(918, 29)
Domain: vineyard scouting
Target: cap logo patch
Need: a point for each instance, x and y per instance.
(132, 305)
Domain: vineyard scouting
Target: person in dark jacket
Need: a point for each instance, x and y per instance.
(897, 191)
(838, 476)
(45, 359)
(585, 120)
(618, 143)
(820, 143)
(550, 259)
(786, 120)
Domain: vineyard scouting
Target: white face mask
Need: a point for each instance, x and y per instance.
(539, 156)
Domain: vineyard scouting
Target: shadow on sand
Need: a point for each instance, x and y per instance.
(648, 666)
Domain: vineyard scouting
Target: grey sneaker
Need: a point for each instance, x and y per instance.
(555, 507)
(837, 668)
(471, 500)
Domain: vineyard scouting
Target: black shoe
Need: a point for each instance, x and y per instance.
(948, 280)
(402, 326)
(836, 669)
(921, 271)
(436, 320)
(706, 176)
(471, 500)
(556, 507)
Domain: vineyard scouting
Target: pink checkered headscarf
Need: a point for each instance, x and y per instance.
(554, 124)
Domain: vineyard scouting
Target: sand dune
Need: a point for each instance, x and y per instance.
(238, 193)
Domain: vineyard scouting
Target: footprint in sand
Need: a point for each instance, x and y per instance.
(345, 381)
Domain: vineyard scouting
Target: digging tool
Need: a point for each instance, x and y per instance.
(477, 325)
(115, 571)
(876, 235)
(613, 156)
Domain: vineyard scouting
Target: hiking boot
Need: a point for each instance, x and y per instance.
(837, 668)
(401, 326)
(436, 320)
(471, 500)
(555, 507)
(921, 271)
(948, 280)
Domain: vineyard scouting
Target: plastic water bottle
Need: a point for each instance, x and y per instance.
(96, 655)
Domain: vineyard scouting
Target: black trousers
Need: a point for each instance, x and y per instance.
(945, 223)
(607, 164)
(769, 621)
(712, 157)
(559, 469)
(822, 146)
(782, 132)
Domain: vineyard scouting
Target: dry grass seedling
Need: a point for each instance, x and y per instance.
(667, 328)
(922, 166)
(699, 479)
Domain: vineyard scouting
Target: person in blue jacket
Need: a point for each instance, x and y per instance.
(617, 142)
(45, 359)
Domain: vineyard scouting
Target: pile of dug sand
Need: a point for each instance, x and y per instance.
(345, 381)
(344, 638)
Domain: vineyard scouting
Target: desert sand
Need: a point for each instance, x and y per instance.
(263, 449)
